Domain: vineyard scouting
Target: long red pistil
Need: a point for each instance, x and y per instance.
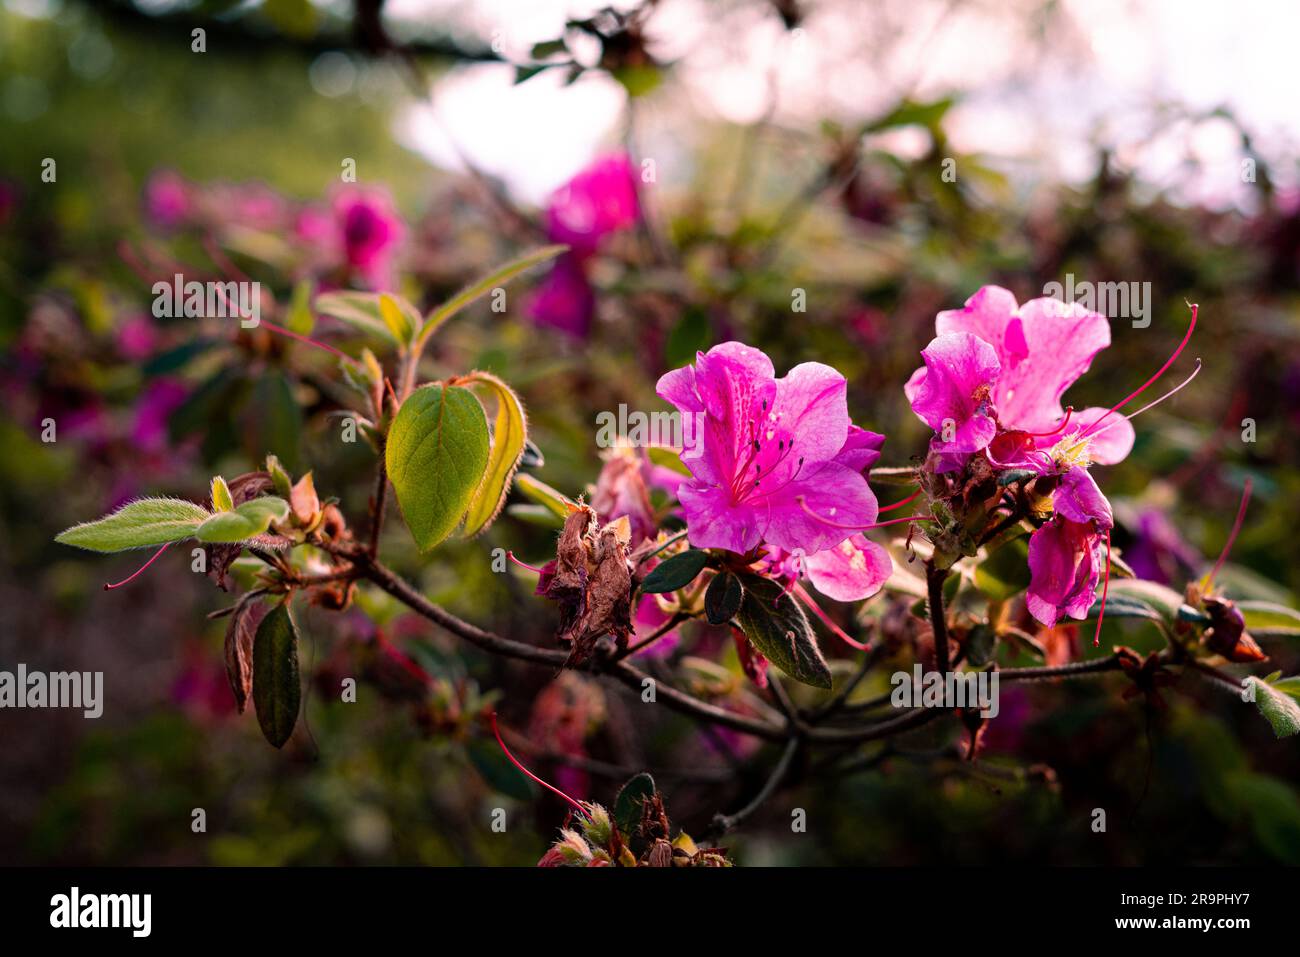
(1159, 372)
(1232, 535)
(515, 761)
(862, 528)
(807, 599)
(1096, 638)
(890, 508)
(139, 571)
(307, 339)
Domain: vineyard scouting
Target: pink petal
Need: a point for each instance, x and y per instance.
(714, 522)
(834, 492)
(1079, 499)
(1112, 442)
(960, 370)
(854, 569)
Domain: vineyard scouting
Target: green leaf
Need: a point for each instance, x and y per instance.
(283, 483)
(277, 692)
(909, 112)
(221, 500)
(483, 286)
(667, 458)
(627, 806)
(138, 524)
(273, 420)
(508, 437)
(557, 503)
(247, 521)
(1268, 618)
(360, 310)
(497, 770)
(691, 334)
(1005, 573)
(1281, 710)
(400, 322)
(299, 318)
(1125, 606)
(777, 627)
(723, 598)
(437, 452)
(676, 572)
(1161, 603)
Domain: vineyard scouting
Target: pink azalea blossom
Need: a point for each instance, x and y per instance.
(1065, 562)
(854, 569)
(564, 300)
(167, 199)
(370, 231)
(774, 455)
(599, 200)
(998, 369)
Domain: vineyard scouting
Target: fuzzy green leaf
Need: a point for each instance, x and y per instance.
(508, 437)
(138, 524)
(1268, 618)
(247, 521)
(485, 285)
(1279, 707)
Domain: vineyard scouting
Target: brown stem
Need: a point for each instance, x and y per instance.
(934, 579)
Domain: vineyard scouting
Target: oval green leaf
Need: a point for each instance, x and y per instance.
(723, 598)
(247, 521)
(277, 692)
(437, 452)
(509, 434)
(776, 625)
(675, 572)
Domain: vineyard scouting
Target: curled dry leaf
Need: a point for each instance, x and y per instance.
(591, 579)
(240, 632)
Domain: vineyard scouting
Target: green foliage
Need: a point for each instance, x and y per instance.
(777, 627)
(277, 689)
(437, 453)
(246, 521)
(675, 572)
(509, 434)
(138, 524)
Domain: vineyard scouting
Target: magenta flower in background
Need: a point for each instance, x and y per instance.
(167, 199)
(564, 300)
(370, 231)
(599, 200)
(1158, 552)
(771, 454)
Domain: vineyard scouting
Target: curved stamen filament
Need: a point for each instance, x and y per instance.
(301, 338)
(890, 508)
(1232, 535)
(581, 809)
(862, 528)
(1069, 411)
(1096, 638)
(1159, 372)
(1168, 395)
(139, 571)
(522, 564)
(807, 599)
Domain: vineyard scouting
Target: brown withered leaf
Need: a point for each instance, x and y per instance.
(240, 632)
(591, 579)
(1227, 633)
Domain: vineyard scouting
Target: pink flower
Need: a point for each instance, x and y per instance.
(564, 300)
(771, 454)
(621, 491)
(167, 200)
(599, 200)
(370, 230)
(648, 617)
(1014, 386)
(854, 569)
(1065, 562)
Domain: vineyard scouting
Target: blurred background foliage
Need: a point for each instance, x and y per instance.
(854, 211)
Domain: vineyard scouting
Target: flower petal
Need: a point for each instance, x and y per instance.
(714, 522)
(854, 569)
(839, 494)
(1079, 499)
(952, 396)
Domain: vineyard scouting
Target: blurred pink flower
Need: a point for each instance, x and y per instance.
(160, 399)
(599, 200)
(370, 232)
(564, 300)
(167, 199)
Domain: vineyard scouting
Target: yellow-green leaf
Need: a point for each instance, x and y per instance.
(509, 433)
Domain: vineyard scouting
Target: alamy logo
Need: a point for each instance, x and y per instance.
(74, 909)
(1115, 300)
(645, 429)
(964, 689)
(58, 689)
(208, 300)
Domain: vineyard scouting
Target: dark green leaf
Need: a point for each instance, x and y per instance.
(722, 600)
(1005, 573)
(675, 572)
(497, 770)
(777, 627)
(277, 692)
(627, 806)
